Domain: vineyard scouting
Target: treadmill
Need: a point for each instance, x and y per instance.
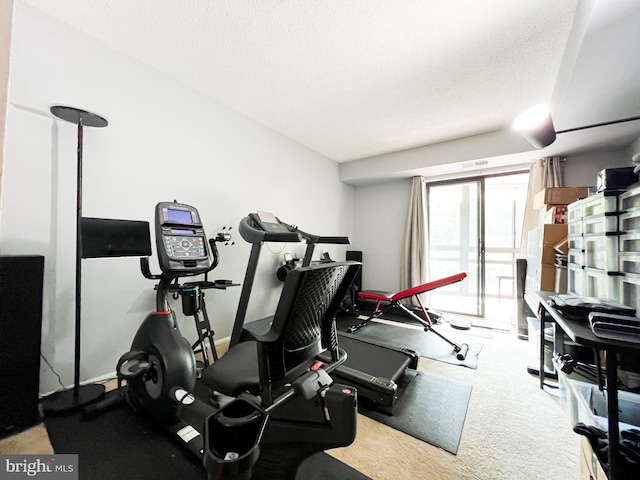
(375, 369)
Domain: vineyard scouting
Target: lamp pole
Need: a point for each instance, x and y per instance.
(78, 396)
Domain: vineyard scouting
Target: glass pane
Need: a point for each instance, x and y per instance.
(505, 197)
(453, 245)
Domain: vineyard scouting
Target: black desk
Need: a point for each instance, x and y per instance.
(581, 333)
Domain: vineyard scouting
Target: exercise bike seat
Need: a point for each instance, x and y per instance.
(242, 375)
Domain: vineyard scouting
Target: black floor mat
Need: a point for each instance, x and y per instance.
(427, 344)
(433, 409)
(120, 444)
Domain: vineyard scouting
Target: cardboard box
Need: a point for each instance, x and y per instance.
(540, 277)
(559, 196)
(562, 247)
(552, 235)
(556, 214)
(590, 468)
(548, 278)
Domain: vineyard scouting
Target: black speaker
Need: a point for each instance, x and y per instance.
(356, 256)
(21, 279)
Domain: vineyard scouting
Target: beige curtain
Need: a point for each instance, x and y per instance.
(414, 269)
(546, 172)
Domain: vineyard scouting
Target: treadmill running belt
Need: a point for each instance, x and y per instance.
(376, 361)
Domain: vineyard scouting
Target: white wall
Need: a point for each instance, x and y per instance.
(379, 218)
(6, 13)
(163, 142)
(380, 213)
(581, 170)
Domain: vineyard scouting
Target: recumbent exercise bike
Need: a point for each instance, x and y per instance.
(268, 403)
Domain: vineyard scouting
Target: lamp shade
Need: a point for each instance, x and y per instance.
(535, 125)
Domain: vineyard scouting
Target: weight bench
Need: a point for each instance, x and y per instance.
(393, 300)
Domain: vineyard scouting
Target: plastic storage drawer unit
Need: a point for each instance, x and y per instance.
(629, 221)
(629, 199)
(600, 203)
(601, 251)
(600, 284)
(606, 223)
(575, 211)
(629, 242)
(575, 279)
(575, 256)
(576, 242)
(629, 262)
(629, 290)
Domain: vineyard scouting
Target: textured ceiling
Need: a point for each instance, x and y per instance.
(348, 79)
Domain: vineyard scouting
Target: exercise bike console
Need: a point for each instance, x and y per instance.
(180, 240)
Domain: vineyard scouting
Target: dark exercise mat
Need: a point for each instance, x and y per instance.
(433, 409)
(120, 444)
(427, 344)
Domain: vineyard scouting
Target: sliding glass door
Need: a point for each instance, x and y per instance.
(455, 245)
(475, 227)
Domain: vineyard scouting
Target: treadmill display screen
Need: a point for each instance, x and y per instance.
(179, 216)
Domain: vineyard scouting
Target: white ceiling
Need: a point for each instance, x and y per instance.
(363, 78)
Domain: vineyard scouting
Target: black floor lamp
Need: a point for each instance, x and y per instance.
(79, 395)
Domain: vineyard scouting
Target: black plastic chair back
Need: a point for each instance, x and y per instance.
(303, 325)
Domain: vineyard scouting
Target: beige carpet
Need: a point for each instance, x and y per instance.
(513, 429)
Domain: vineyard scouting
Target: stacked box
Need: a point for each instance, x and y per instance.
(594, 245)
(559, 196)
(541, 256)
(629, 290)
(629, 200)
(601, 284)
(590, 466)
(629, 248)
(575, 256)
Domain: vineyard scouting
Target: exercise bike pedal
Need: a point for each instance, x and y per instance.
(133, 364)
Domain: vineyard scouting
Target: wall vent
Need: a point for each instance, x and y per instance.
(475, 163)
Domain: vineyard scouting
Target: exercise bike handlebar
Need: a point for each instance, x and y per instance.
(146, 271)
(166, 280)
(220, 237)
(215, 258)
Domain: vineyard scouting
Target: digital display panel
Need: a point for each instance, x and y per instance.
(182, 231)
(179, 216)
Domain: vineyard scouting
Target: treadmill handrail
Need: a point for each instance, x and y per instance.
(316, 239)
(254, 234)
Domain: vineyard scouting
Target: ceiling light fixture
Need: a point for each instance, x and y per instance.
(536, 126)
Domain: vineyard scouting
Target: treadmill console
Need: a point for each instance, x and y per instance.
(180, 240)
(270, 223)
(260, 227)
